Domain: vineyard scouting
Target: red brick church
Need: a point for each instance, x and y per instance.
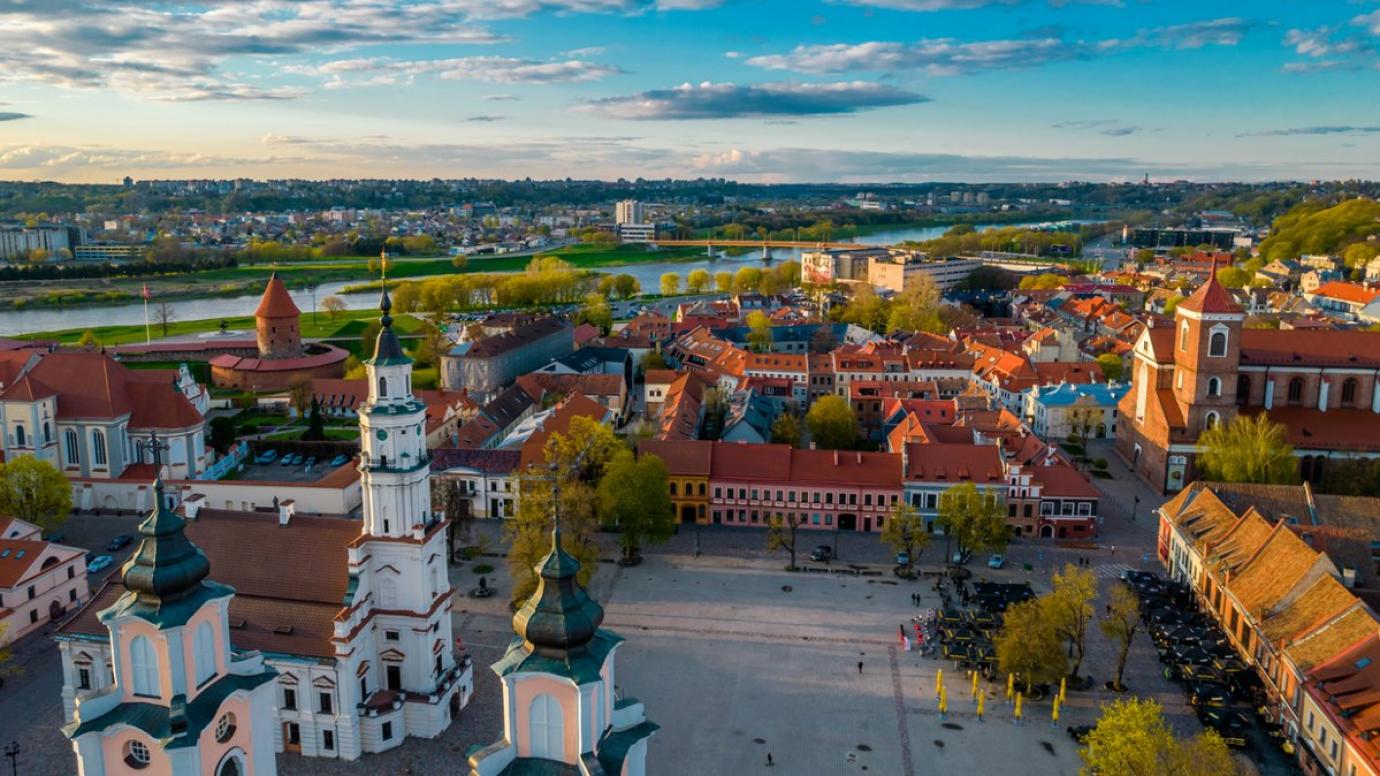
(1324, 386)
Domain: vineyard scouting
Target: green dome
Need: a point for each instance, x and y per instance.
(166, 566)
(560, 618)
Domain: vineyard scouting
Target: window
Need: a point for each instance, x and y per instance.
(289, 699)
(1214, 386)
(98, 447)
(1217, 344)
(136, 755)
(73, 456)
(718, 492)
(83, 678)
(383, 387)
(225, 727)
(1243, 390)
(1349, 392)
(1183, 336)
(328, 740)
(1210, 420)
(1296, 390)
(390, 635)
(673, 488)
(388, 731)
(47, 432)
(323, 704)
(548, 728)
(33, 616)
(205, 648)
(144, 665)
(19, 436)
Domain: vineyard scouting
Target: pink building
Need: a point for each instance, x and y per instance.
(824, 489)
(39, 581)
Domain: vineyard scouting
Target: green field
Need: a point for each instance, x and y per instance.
(348, 324)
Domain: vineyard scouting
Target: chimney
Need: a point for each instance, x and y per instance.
(836, 458)
(192, 505)
(286, 508)
(1349, 576)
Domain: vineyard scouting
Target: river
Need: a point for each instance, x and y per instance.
(14, 322)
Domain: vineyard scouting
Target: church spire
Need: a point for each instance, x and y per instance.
(166, 566)
(387, 349)
(560, 618)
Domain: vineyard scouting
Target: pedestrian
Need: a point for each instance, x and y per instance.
(1114, 550)
(860, 666)
(770, 763)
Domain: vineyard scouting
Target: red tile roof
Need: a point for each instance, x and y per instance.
(1350, 349)
(1062, 481)
(684, 457)
(1211, 297)
(276, 302)
(954, 463)
(1347, 292)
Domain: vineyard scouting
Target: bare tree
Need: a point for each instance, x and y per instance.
(164, 313)
(333, 305)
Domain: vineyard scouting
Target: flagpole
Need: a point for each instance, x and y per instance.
(148, 339)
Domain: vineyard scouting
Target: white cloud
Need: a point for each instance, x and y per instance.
(370, 71)
(727, 100)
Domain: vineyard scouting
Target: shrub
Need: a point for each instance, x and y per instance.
(1100, 463)
(483, 568)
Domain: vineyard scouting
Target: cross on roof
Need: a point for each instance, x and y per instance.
(157, 447)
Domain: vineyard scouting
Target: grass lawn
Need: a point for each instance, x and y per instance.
(200, 370)
(347, 324)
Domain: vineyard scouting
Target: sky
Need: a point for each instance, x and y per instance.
(752, 90)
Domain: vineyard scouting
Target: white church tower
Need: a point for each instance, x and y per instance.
(400, 557)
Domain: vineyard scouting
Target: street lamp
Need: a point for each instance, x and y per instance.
(12, 752)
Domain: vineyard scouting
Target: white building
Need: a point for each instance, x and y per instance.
(628, 212)
(354, 617)
(39, 581)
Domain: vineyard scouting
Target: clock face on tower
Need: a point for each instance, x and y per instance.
(381, 434)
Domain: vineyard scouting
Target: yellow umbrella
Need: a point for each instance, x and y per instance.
(975, 682)
(1019, 696)
(1063, 682)
(980, 707)
(1010, 685)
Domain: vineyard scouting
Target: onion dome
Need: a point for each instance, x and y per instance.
(560, 618)
(166, 566)
(387, 349)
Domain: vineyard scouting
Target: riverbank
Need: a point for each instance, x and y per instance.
(344, 324)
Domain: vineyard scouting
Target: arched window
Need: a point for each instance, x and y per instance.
(231, 767)
(136, 755)
(1217, 344)
(673, 488)
(383, 387)
(47, 432)
(205, 648)
(1349, 392)
(73, 447)
(1214, 386)
(225, 727)
(1183, 336)
(548, 728)
(98, 447)
(144, 665)
(1296, 390)
(19, 436)
(1243, 390)
(1210, 420)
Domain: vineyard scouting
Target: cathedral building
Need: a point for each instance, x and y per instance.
(354, 616)
(1208, 368)
(562, 715)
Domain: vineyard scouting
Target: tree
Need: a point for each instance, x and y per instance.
(6, 653)
(759, 332)
(1083, 416)
(1028, 646)
(34, 490)
(746, 279)
(222, 434)
(626, 286)
(1120, 626)
(917, 308)
(460, 261)
(782, 534)
(1112, 368)
(299, 393)
(723, 282)
(697, 281)
(1133, 738)
(832, 424)
(596, 312)
(1043, 282)
(164, 313)
(1172, 303)
(653, 359)
(905, 532)
(670, 284)
(977, 520)
(379, 265)
(1143, 256)
(88, 340)
(866, 310)
(634, 496)
(1069, 607)
(332, 306)
(785, 430)
(316, 427)
(1248, 449)
(1233, 277)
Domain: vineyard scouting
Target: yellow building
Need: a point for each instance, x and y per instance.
(687, 468)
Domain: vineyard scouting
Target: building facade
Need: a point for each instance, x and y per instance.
(39, 581)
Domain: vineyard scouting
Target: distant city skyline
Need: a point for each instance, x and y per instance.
(753, 90)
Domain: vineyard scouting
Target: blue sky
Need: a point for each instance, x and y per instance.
(764, 90)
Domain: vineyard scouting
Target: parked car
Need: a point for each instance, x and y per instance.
(267, 456)
(119, 543)
(823, 553)
(339, 460)
(99, 563)
(289, 460)
(996, 561)
(311, 461)
(902, 559)
(1232, 725)
(961, 557)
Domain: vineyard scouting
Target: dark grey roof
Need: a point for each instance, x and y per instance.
(591, 357)
(508, 406)
(522, 334)
(489, 461)
(177, 726)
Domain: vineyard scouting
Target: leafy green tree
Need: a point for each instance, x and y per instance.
(625, 286)
(917, 308)
(460, 261)
(1120, 625)
(1133, 738)
(782, 534)
(34, 490)
(832, 424)
(670, 284)
(697, 281)
(1247, 449)
(1173, 303)
(785, 430)
(1027, 645)
(746, 279)
(1234, 277)
(596, 312)
(867, 310)
(88, 340)
(976, 519)
(1046, 281)
(723, 282)
(759, 332)
(222, 434)
(634, 496)
(1318, 227)
(904, 532)
(1144, 256)
(1069, 607)
(1112, 368)
(653, 359)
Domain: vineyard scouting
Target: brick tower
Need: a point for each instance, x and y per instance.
(1207, 352)
(276, 321)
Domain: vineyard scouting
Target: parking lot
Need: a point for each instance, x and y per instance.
(277, 472)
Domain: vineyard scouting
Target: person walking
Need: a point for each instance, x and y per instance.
(770, 762)
(860, 666)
